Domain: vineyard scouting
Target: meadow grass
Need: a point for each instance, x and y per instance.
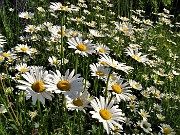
(82, 68)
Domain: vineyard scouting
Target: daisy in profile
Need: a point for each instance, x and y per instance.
(26, 15)
(107, 113)
(57, 6)
(135, 85)
(120, 89)
(96, 33)
(77, 100)
(2, 41)
(136, 55)
(108, 61)
(146, 126)
(166, 130)
(22, 67)
(98, 70)
(82, 47)
(59, 83)
(53, 61)
(57, 30)
(102, 49)
(34, 84)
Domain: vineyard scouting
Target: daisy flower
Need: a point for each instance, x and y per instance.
(22, 67)
(77, 100)
(57, 30)
(144, 114)
(58, 6)
(146, 126)
(2, 109)
(53, 61)
(96, 33)
(135, 85)
(63, 83)
(34, 84)
(108, 61)
(124, 27)
(82, 47)
(166, 129)
(99, 70)
(26, 15)
(2, 41)
(120, 89)
(107, 113)
(22, 48)
(30, 28)
(102, 49)
(136, 55)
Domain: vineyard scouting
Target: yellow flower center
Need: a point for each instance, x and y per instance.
(105, 114)
(1, 58)
(78, 102)
(116, 88)
(132, 106)
(143, 114)
(78, 19)
(56, 39)
(38, 86)
(101, 50)
(100, 73)
(103, 63)
(135, 86)
(81, 47)
(156, 95)
(26, 16)
(167, 130)
(5, 55)
(55, 62)
(24, 49)
(124, 30)
(63, 85)
(136, 57)
(23, 70)
(31, 29)
(61, 32)
(145, 125)
(63, 7)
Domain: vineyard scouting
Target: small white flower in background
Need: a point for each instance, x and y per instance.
(96, 33)
(40, 9)
(108, 61)
(135, 85)
(146, 126)
(26, 15)
(136, 55)
(30, 28)
(166, 129)
(144, 114)
(107, 113)
(53, 61)
(22, 67)
(11, 9)
(33, 114)
(2, 109)
(59, 7)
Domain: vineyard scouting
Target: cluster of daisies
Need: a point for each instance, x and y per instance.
(111, 86)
